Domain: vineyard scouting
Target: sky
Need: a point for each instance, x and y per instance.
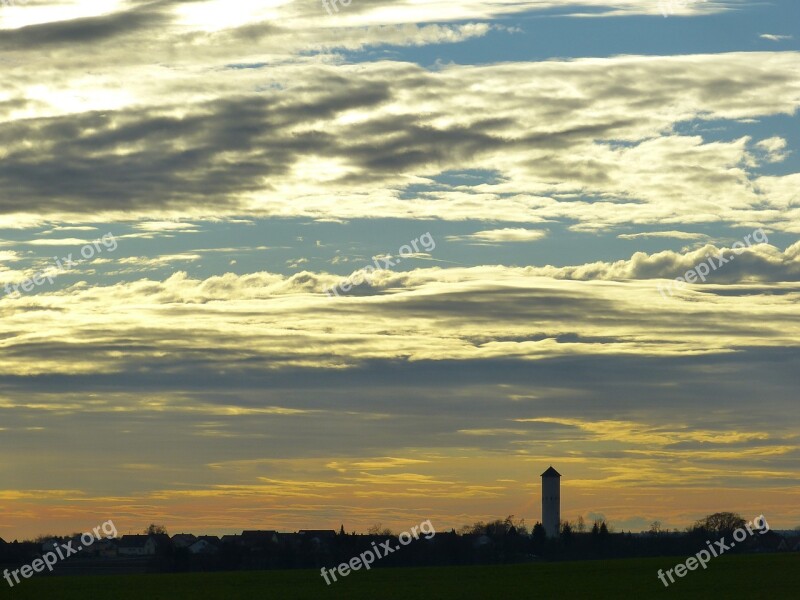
(267, 265)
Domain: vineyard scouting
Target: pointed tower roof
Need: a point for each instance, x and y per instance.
(551, 472)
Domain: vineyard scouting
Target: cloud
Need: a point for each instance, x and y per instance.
(157, 119)
(55, 242)
(159, 226)
(507, 234)
(137, 264)
(337, 137)
(774, 148)
(678, 235)
(7, 256)
(60, 228)
(514, 313)
(775, 38)
(760, 262)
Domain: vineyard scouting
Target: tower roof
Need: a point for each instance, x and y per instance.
(551, 472)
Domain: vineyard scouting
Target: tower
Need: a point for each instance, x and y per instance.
(551, 501)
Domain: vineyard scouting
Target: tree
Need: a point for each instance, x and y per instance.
(154, 529)
(509, 525)
(719, 523)
(496, 528)
(538, 535)
(522, 529)
(603, 531)
(378, 529)
(479, 528)
(500, 528)
(655, 528)
(580, 525)
(465, 530)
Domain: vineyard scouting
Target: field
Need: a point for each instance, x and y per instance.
(752, 576)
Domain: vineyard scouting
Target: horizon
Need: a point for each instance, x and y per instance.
(462, 530)
(385, 261)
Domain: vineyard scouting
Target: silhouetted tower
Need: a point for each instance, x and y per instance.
(551, 501)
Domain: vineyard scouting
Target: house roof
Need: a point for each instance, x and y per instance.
(250, 535)
(551, 472)
(212, 539)
(160, 538)
(318, 532)
(138, 541)
(203, 547)
(133, 541)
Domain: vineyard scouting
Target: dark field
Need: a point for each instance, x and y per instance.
(749, 576)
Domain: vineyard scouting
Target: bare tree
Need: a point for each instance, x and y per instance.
(655, 527)
(379, 529)
(154, 529)
(720, 523)
(580, 525)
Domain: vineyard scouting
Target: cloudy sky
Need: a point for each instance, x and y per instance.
(504, 184)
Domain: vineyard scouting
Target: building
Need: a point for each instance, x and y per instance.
(183, 540)
(50, 545)
(211, 539)
(258, 540)
(551, 501)
(318, 538)
(231, 539)
(144, 545)
(203, 547)
(136, 545)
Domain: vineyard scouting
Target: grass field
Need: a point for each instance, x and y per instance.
(752, 577)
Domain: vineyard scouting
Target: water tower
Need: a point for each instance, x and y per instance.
(551, 501)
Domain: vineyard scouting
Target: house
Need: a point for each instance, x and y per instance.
(317, 537)
(183, 540)
(203, 547)
(143, 545)
(291, 540)
(50, 545)
(105, 548)
(137, 545)
(320, 534)
(259, 540)
(235, 540)
(211, 539)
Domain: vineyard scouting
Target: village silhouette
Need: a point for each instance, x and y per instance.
(506, 540)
